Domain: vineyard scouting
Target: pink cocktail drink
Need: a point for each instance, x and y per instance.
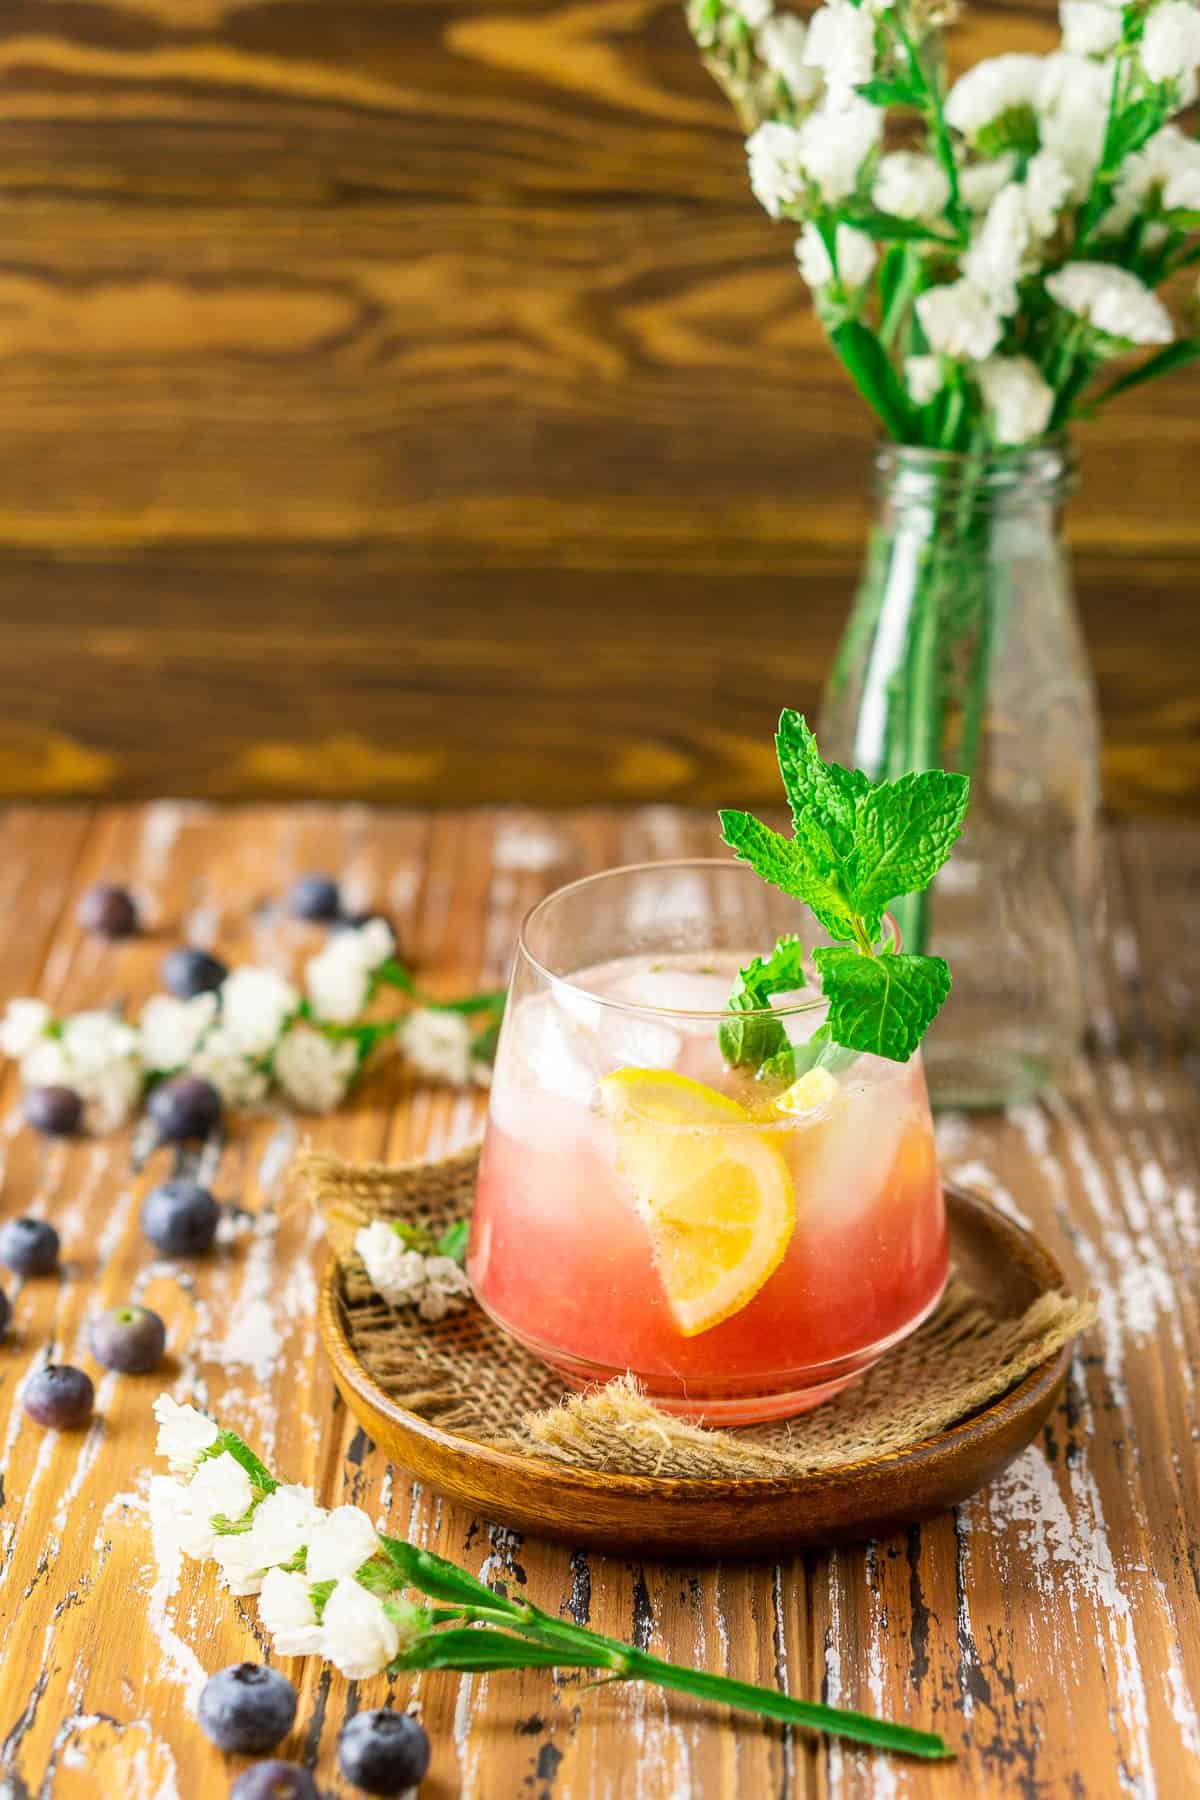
(641, 1206)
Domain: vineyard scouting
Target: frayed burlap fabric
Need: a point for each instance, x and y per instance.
(470, 1379)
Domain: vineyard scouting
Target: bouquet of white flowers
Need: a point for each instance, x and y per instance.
(975, 275)
(980, 252)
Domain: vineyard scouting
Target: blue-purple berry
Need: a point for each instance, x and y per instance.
(109, 911)
(187, 972)
(29, 1246)
(185, 1107)
(5, 1312)
(54, 1111)
(384, 1752)
(274, 1780)
(130, 1339)
(59, 1396)
(180, 1218)
(314, 897)
(247, 1708)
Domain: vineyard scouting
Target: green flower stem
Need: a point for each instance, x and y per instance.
(525, 1637)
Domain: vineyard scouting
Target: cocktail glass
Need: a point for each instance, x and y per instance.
(744, 1249)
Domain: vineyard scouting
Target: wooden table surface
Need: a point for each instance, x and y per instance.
(1050, 1627)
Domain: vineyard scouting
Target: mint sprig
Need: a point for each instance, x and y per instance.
(857, 846)
(758, 1041)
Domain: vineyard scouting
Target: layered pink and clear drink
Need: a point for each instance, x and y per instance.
(744, 1248)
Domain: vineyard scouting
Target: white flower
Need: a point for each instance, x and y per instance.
(910, 185)
(338, 979)
(314, 1071)
(1112, 300)
(1073, 102)
(1046, 190)
(254, 1004)
(95, 1040)
(979, 183)
(841, 43)
(358, 1636)
(172, 1029)
(1019, 401)
(781, 45)
(777, 174)
(997, 85)
(997, 256)
(220, 1488)
(340, 1544)
(438, 1044)
(1167, 166)
(235, 1075)
(923, 377)
(393, 1270)
(446, 1286)
(47, 1064)
(183, 1434)
(837, 139)
(110, 1096)
(754, 12)
(286, 1610)
(1171, 41)
(959, 320)
(279, 1525)
(23, 1024)
(1089, 27)
(856, 255)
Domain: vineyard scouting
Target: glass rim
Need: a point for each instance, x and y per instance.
(676, 863)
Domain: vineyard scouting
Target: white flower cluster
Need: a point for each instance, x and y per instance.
(278, 1544)
(254, 1035)
(440, 1045)
(435, 1285)
(1016, 235)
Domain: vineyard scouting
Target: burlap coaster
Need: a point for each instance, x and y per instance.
(464, 1374)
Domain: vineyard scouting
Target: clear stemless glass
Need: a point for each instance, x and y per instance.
(643, 1207)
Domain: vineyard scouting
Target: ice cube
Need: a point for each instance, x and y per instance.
(552, 1049)
(677, 990)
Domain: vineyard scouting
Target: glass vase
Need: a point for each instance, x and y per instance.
(964, 651)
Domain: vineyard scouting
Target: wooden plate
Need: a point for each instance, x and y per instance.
(672, 1517)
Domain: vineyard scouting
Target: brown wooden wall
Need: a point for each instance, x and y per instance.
(409, 400)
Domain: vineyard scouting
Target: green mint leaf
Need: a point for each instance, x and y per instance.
(881, 1004)
(801, 866)
(821, 1052)
(319, 1594)
(415, 1237)
(758, 1042)
(905, 830)
(824, 792)
(453, 1241)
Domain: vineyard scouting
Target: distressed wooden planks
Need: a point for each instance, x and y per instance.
(1051, 1628)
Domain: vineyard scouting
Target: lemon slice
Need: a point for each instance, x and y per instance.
(715, 1192)
(810, 1091)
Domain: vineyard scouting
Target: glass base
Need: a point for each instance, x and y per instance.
(737, 1402)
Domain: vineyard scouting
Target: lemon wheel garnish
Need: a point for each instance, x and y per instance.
(713, 1189)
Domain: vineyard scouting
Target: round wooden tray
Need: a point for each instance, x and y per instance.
(1006, 1265)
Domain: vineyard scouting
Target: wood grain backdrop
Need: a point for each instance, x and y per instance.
(409, 400)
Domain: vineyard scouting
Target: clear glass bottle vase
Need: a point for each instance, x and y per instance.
(964, 651)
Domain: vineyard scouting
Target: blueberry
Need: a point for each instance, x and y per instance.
(54, 1111)
(180, 1218)
(314, 897)
(384, 1752)
(247, 1707)
(274, 1780)
(5, 1312)
(28, 1246)
(59, 1396)
(108, 910)
(129, 1338)
(187, 972)
(187, 1107)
